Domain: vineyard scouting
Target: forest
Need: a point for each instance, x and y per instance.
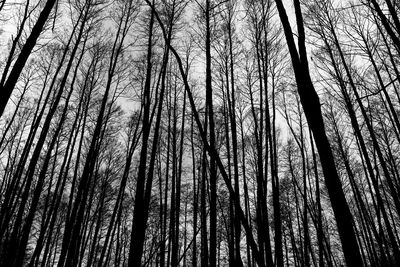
(199, 133)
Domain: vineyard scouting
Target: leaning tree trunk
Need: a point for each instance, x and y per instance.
(311, 105)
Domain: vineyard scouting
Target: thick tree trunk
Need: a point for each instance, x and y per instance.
(8, 86)
(312, 109)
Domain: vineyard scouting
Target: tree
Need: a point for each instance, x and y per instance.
(7, 84)
(311, 106)
(166, 133)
